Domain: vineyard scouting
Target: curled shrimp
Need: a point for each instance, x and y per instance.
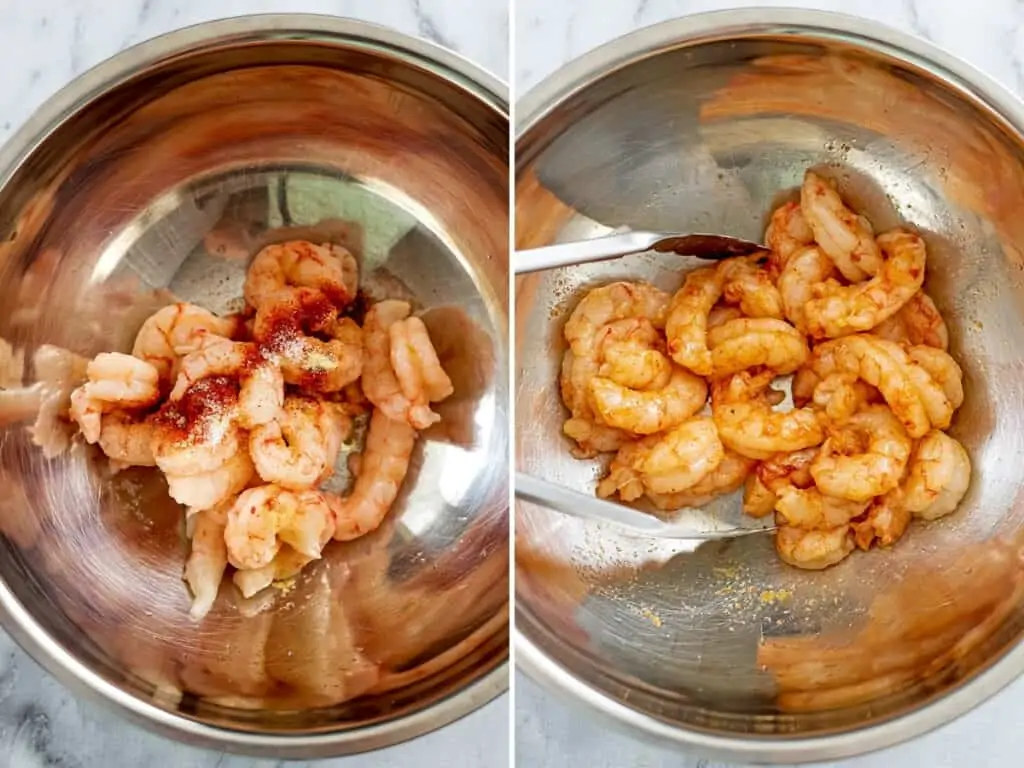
(328, 268)
(747, 284)
(207, 560)
(173, 328)
(863, 458)
(383, 467)
(114, 382)
(841, 394)
(793, 469)
(728, 476)
(631, 353)
(623, 478)
(943, 370)
(607, 304)
(198, 432)
(752, 342)
(592, 438)
(687, 325)
(918, 322)
(645, 412)
(885, 522)
(939, 476)
(414, 361)
(205, 490)
(267, 516)
(812, 509)
(838, 310)
(813, 550)
(786, 234)
(127, 440)
(805, 269)
(742, 409)
(845, 237)
(297, 449)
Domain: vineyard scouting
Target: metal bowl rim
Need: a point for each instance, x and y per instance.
(577, 76)
(109, 74)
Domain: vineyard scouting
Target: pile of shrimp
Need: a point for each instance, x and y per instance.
(864, 448)
(246, 415)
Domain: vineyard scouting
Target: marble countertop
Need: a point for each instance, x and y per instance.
(550, 734)
(44, 44)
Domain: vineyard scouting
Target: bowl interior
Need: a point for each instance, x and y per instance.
(709, 135)
(164, 183)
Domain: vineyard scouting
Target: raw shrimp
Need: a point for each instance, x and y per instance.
(173, 328)
(286, 564)
(297, 449)
(805, 269)
(261, 389)
(917, 322)
(841, 394)
(813, 550)
(631, 353)
(328, 268)
(940, 474)
(384, 464)
(646, 412)
(115, 382)
(608, 303)
(863, 458)
(747, 284)
(199, 432)
(205, 490)
(725, 478)
(207, 560)
(886, 521)
(812, 509)
(679, 459)
(838, 310)
(751, 342)
(687, 323)
(264, 517)
(845, 237)
(741, 407)
(126, 440)
(414, 361)
(787, 233)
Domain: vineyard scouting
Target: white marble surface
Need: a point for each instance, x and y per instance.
(547, 34)
(43, 44)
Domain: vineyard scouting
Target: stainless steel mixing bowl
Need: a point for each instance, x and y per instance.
(705, 124)
(161, 172)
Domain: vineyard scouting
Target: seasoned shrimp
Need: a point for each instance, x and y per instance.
(841, 394)
(787, 233)
(199, 432)
(126, 440)
(328, 268)
(646, 412)
(751, 342)
(173, 328)
(813, 550)
(207, 560)
(886, 521)
(631, 353)
(623, 478)
(205, 490)
(943, 370)
(297, 449)
(592, 439)
(863, 458)
(286, 564)
(845, 237)
(771, 475)
(687, 324)
(384, 464)
(741, 407)
(805, 269)
(918, 322)
(267, 516)
(838, 310)
(608, 303)
(414, 361)
(812, 509)
(940, 474)
(115, 382)
(747, 284)
(758, 499)
(261, 390)
(729, 475)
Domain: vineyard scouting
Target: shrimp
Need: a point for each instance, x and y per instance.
(286, 564)
(729, 475)
(646, 412)
(592, 439)
(384, 464)
(205, 490)
(414, 361)
(126, 440)
(199, 432)
(608, 303)
(261, 390)
(746, 284)
(838, 310)
(752, 342)
(786, 234)
(865, 457)
(779, 471)
(741, 408)
(267, 516)
(115, 382)
(918, 322)
(297, 449)
(207, 560)
(328, 268)
(631, 353)
(813, 509)
(176, 327)
(813, 550)
(943, 370)
(841, 394)
(886, 521)
(721, 314)
(805, 269)
(845, 237)
(687, 323)
(940, 474)
(758, 499)
(623, 478)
